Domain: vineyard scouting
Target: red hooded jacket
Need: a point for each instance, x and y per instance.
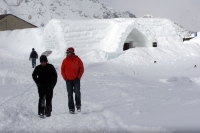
(72, 68)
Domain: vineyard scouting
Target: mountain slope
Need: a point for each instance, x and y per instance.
(40, 12)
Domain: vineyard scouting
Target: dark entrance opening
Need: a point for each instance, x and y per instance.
(126, 46)
(154, 44)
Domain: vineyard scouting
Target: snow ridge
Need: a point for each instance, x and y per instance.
(40, 12)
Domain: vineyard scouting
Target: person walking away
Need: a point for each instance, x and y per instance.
(33, 56)
(72, 70)
(45, 77)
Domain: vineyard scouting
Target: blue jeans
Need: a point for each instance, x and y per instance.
(33, 62)
(73, 86)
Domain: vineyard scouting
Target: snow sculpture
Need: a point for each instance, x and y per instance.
(108, 35)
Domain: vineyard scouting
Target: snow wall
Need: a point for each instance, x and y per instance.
(100, 36)
(108, 35)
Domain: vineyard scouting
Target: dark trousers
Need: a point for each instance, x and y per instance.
(33, 62)
(73, 86)
(45, 100)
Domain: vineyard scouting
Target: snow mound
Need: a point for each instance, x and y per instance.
(21, 42)
(196, 80)
(94, 57)
(147, 55)
(103, 38)
(108, 35)
(180, 80)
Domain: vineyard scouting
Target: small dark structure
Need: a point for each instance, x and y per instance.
(126, 46)
(187, 39)
(154, 44)
(11, 22)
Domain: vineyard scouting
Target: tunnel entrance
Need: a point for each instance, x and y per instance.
(135, 39)
(128, 45)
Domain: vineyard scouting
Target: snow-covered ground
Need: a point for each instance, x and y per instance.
(126, 92)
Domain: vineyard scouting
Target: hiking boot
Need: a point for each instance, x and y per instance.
(79, 109)
(41, 115)
(71, 111)
(48, 114)
(48, 111)
(41, 112)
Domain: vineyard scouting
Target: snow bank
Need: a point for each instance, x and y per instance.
(180, 80)
(146, 56)
(108, 35)
(102, 35)
(21, 42)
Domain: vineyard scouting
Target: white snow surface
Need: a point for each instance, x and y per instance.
(39, 12)
(104, 35)
(121, 91)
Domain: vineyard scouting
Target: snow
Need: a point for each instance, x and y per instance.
(98, 34)
(39, 13)
(122, 91)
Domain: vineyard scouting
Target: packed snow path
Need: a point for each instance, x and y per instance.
(109, 104)
(18, 112)
(127, 93)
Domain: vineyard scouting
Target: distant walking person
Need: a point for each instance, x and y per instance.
(72, 70)
(33, 56)
(45, 76)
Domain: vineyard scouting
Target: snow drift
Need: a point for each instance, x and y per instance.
(84, 35)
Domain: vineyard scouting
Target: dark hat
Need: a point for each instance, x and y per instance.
(71, 50)
(43, 58)
(33, 49)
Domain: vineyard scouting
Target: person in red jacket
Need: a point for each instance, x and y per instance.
(72, 70)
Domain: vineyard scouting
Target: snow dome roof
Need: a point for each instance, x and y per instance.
(97, 35)
(108, 34)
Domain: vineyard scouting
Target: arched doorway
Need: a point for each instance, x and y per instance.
(136, 39)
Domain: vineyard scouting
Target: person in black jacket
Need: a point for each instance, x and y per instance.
(33, 56)
(45, 76)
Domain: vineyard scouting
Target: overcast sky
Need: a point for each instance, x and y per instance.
(184, 12)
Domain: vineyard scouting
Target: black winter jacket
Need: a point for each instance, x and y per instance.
(33, 54)
(45, 75)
